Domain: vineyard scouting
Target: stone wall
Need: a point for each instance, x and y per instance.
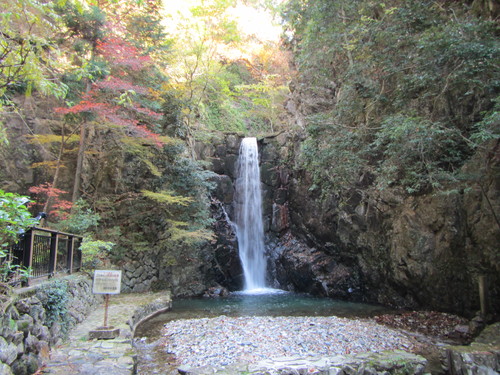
(140, 273)
(184, 276)
(38, 318)
(145, 312)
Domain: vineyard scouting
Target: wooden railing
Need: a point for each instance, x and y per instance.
(45, 252)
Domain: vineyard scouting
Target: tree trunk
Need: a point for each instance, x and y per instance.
(79, 164)
(81, 155)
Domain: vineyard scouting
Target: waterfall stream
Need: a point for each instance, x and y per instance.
(248, 210)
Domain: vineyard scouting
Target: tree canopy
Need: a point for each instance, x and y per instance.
(397, 93)
(129, 90)
(410, 89)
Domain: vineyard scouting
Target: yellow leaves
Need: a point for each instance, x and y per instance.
(140, 147)
(50, 164)
(51, 138)
(178, 233)
(157, 95)
(179, 230)
(167, 197)
(152, 168)
(366, 19)
(390, 10)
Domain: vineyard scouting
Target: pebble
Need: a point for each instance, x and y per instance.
(223, 340)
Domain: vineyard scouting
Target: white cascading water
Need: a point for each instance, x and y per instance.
(249, 225)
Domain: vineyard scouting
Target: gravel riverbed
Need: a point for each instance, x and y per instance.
(224, 340)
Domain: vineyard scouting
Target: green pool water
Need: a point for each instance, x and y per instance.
(153, 360)
(267, 302)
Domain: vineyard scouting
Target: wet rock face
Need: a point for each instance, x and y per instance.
(384, 247)
(424, 251)
(427, 252)
(301, 268)
(226, 267)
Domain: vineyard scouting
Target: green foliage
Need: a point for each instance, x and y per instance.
(207, 75)
(236, 102)
(186, 200)
(81, 220)
(86, 23)
(14, 220)
(95, 252)
(29, 53)
(489, 127)
(8, 270)
(171, 212)
(167, 198)
(405, 90)
(144, 154)
(334, 154)
(149, 33)
(55, 297)
(84, 221)
(14, 217)
(266, 98)
(28, 47)
(417, 154)
(179, 233)
(186, 177)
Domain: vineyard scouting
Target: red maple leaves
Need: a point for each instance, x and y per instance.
(122, 53)
(83, 106)
(60, 207)
(115, 100)
(117, 84)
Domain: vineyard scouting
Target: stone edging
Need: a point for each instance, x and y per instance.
(148, 311)
(387, 362)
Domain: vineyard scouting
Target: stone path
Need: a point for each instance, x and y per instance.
(80, 356)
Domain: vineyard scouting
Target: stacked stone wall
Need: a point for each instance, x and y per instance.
(34, 320)
(140, 274)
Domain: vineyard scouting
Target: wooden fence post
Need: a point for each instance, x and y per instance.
(483, 295)
(54, 243)
(71, 241)
(28, 252)
(78, 253)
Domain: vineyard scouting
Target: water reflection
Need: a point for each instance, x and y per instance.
(262, 302)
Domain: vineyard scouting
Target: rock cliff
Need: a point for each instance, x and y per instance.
(423, 251)
(386, 247)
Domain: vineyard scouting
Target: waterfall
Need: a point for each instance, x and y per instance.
(248, 210)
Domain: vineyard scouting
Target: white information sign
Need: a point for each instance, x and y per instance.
(107, 282)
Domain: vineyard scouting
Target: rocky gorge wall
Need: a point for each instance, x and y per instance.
(387, 247)
(405, 251)
(38, 319)
(408, 251)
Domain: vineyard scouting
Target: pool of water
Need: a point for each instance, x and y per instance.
(153, 359)
(263, 302)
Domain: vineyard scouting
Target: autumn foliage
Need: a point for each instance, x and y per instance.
(122, 53)
(60, 207)
(116, 100)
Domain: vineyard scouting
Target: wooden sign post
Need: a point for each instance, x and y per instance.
(106, 282)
